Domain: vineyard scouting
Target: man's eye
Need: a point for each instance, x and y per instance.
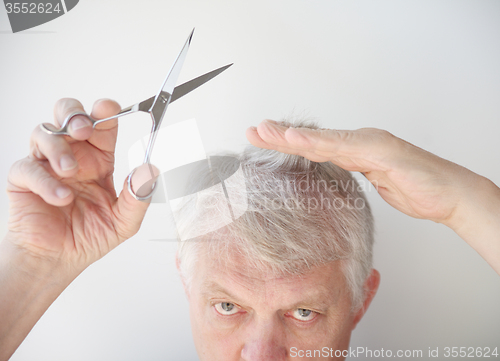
(226, 308)
(303, 314)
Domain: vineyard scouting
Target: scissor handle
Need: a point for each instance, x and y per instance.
(51, 129)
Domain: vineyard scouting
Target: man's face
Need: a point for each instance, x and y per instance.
(241, 313)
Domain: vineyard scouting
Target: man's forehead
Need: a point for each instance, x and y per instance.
(240, 280)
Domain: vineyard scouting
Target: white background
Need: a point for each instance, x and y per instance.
(428, 71)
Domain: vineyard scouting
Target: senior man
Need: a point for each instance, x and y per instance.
(277, 281)
(292, 275)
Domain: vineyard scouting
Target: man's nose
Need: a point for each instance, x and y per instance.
(265, 342)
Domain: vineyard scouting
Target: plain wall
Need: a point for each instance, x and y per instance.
(427, 71)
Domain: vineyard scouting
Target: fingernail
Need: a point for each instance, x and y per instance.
(253, 128)
(79, 123)
(67, 162)
(63, 192)
(144, 179)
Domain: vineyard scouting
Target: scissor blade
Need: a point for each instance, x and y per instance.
(191, 85)
(181, 90)
(162, 99)
(169, 83)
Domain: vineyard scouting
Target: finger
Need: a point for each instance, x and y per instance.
(128, 211)
(104, 136)
(30, 175)
(274, 135)
(255, 139)
(363, 149)
(253, 136)
(278, 135)
(56, 150)
(80, 127)
(361, 143)
(105, 108)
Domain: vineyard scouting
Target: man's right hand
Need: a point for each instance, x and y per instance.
(63, 205)
(64, 215)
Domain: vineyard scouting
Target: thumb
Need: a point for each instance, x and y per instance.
(128, 211)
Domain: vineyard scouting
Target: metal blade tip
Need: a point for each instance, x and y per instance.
(225, 67)
(191, 36)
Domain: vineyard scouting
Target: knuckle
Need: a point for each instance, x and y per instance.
(378, 132)
(65, 106)
(60, 105)
(64, 103)
(44, 180)
(36, 174)
(45, 145)
(15, 169)
(380, 135)
(384, 134)
(29, 174)
(346, 136)
(23, 166)
(28, 168)
(20, 171)
(110, 102)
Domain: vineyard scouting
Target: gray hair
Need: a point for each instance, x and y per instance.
(295, 215)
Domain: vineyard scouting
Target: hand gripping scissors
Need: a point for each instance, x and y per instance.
(156, 106)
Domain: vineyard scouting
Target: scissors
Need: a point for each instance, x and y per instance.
(156, 106)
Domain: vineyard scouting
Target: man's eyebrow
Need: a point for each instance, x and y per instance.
(320, 300)
(210, 287)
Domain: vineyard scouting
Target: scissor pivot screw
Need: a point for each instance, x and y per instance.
(164, 99)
